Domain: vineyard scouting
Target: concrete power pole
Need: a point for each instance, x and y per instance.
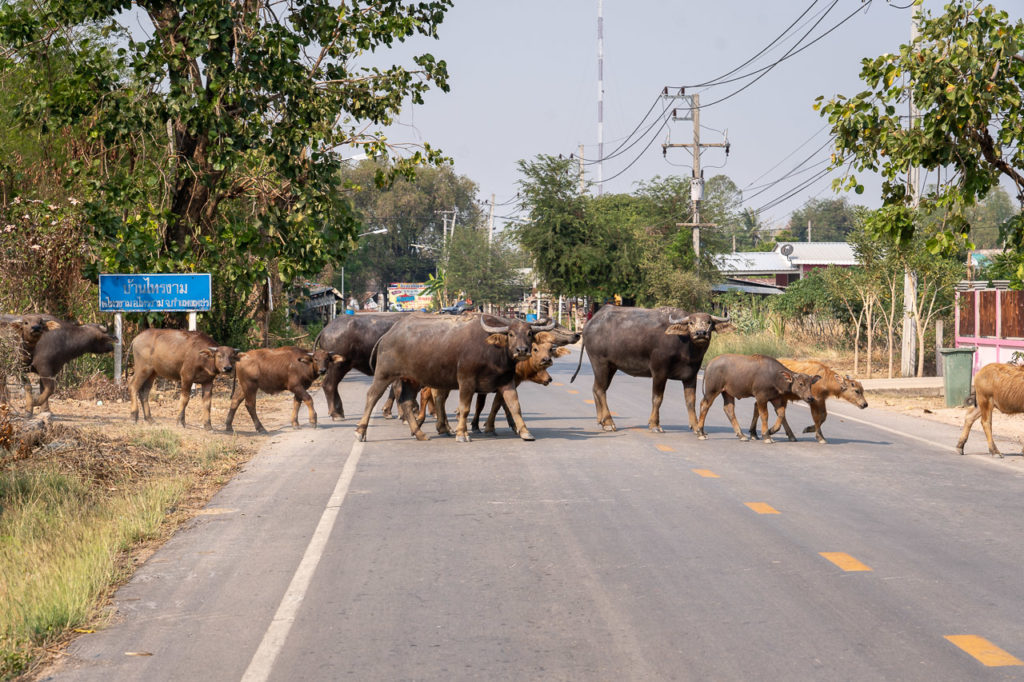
(600, 97)
(583, 186)
(908, 355)
(697, 181)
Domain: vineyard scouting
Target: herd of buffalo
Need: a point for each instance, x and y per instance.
(419, 355)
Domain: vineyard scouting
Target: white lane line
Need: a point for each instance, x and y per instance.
(944, 446)
(274, 639)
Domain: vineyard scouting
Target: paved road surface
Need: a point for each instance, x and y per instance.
(588, 555)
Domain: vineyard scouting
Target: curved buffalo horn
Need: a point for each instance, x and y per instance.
(213, 348)
(492, 329)
(543, 325)
(682, 320)
(719, 320)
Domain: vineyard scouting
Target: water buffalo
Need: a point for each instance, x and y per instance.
(473, 353)
(56, 348)
(663, 343)
(188, 357)
(533, 369)
(997, 386)
(273, 370)
(352, 337)
(830, 385)
(758, 376)
(23, 332)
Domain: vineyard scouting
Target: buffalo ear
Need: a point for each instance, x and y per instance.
(337, 358)
(500, 340)
(206, 352)
(52, 324)
(560, 351)
(816, 378)
(678, 329)
(786, 375)
(543, 337)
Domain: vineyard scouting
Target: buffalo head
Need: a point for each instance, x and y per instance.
(797, 383)
(516, 336)
(698, 326)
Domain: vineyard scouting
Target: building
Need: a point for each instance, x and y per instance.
(786, 263)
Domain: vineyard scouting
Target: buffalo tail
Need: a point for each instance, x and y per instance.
(583, 344)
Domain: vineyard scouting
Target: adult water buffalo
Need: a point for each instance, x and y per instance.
(56, 348)
(273, 370)
(188, 357)
(743, 376)
(352, 337)
(663, 343)
(23, 333)
(473, 353)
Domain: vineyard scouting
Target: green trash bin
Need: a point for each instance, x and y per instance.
(957, 364)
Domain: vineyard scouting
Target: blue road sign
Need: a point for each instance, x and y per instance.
(155, 292)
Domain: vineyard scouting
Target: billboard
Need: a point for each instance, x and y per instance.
(406, 296)
(155, 292)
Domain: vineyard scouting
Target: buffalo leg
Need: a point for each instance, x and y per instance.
(335, 373)
(729, 407)
(511, 398)
(250, 406)
(690, 395)
(440, 397)
(603, 373)
(481, 400)
(186, 394)
(390, 402)
(986, 423)
(407, 408)
(139, 389)
(466, 394)
(780, 420)
(236, 399)
(207, 404)
(972, 417)
(46, 387)
(705, 405)
(302, 397)
(657, 396)
(818, 414)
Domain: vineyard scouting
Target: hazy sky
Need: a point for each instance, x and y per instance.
(524, 82)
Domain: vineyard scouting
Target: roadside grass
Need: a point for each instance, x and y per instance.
(760, 343)
(81, 510)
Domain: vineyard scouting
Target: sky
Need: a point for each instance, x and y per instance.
(523, 79)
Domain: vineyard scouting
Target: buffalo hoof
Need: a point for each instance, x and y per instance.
(996, 453)
(228, 429)
(336, 417)
(492, 433)
(421, 436)
(821, 439)
(260, 430)
(526, 435)
(702, 436)
(207, 426)
(361, 435)
(808, 429)
(608, 427)
(768, 440)
(462, 438)
(655, 429)
(743, 438)
(792, 439)
(960, 450)
(388, 415)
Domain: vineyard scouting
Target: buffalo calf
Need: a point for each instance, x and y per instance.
(273, 370)
(997, 386)
(758, 376)
(188, 357)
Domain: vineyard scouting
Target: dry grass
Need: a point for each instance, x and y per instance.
(92, 497)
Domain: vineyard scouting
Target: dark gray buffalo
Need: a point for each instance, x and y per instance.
(743, 376)
(22, 333)
(188, 357)
(470, 352)
(663, 343)
(56, 348)
(353, 338)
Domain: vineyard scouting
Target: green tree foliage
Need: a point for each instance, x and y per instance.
(988, 217)
(480, 271)
(965, 73)
(831, 220)
(215, 142)
(414, 211)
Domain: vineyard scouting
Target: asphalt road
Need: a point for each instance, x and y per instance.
(588, 555)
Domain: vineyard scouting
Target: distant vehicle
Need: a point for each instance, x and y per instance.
(456, 309)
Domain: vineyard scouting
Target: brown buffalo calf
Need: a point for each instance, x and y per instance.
(533, 369)
(24, 332)
(57, 347)
(273, 370)
(830, 385)
(997, 386)
(758, 376)
(188, 357)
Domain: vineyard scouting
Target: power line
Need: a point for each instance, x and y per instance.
(801, 146)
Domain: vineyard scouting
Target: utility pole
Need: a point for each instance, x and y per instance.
(808, 230)
(600, 97)
(697, 181)
(908, 353)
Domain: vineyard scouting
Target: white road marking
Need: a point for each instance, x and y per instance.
(944, 446)
(273, 640)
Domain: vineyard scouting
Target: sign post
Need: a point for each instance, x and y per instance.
(163, 293)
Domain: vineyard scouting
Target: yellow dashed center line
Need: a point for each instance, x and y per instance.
(705, 473)
(557, 383)
(589, 402)
(845, 561)
(762, 508)
(573, 391)
(665, 448)
(983, 650)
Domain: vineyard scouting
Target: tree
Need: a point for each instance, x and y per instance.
(988, 217)
(830, 219)
(965, 74)
(215, 143)
(855, 289)
(482, 270)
